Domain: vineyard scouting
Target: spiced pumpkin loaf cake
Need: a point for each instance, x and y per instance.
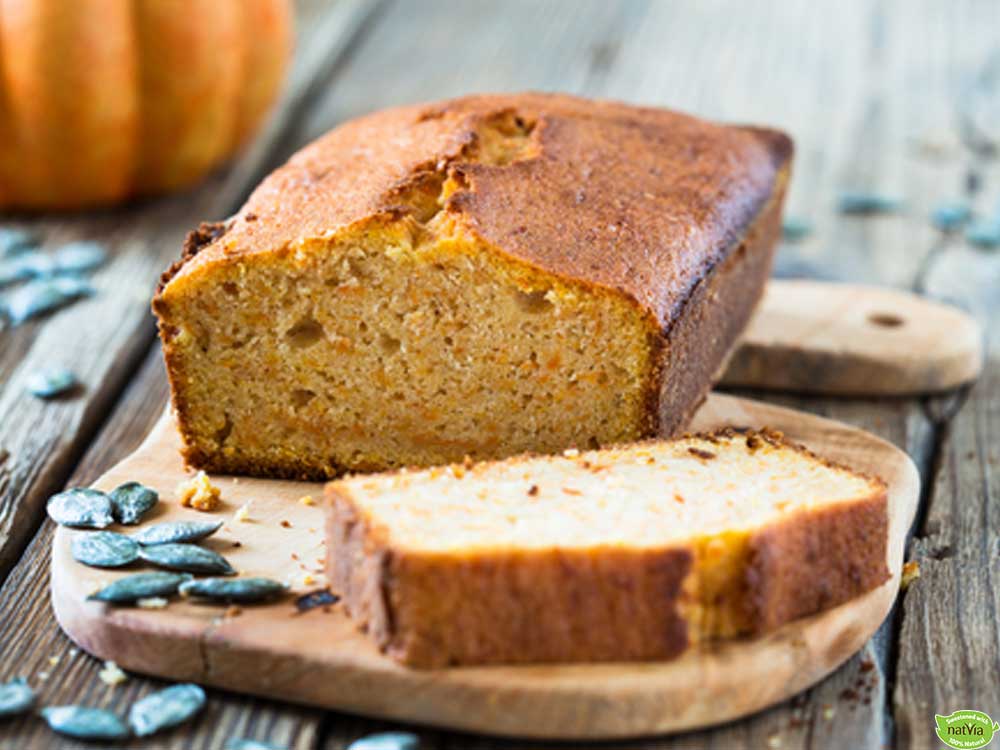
(631, 553)
(482, 277)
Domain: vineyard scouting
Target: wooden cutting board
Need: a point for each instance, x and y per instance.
(845, 339)
(319, 658)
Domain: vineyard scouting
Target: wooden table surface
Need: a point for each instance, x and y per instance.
(872, 92)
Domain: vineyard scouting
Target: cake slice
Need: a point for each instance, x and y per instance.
(629, 553)
(484, 277)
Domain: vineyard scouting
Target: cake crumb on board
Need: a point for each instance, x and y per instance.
(199, 493)
(911, 572)
(112, 674)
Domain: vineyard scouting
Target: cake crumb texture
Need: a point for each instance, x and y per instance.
(483, 276)
(631, 553)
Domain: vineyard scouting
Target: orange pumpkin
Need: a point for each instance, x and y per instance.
(103, 100)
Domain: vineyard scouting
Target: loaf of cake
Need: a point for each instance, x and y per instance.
(477, 277)
(631, 553)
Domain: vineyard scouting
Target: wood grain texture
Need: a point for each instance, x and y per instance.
(949, 650)
(853, 340)
(321, 658)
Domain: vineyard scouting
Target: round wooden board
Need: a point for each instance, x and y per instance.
(853, 340)
(319, 658)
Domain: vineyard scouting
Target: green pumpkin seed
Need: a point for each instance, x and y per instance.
(165, 709)
(51, 382)
(32, 299)
(387, 741)
(131, 501)
(105, 549)
(984, 234)
(73, 286)
(794, 228)
(176, 531)
(76, 257)
(242, 590)
(950, 216)
(188, 558)
(862, 202)
(15, 241)
(27, 265)
(81, 508)
(242, 743)
(132, 588)
(16, 697)
(314, 599)
(85, 723)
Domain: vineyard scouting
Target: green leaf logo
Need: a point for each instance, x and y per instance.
(966, 729)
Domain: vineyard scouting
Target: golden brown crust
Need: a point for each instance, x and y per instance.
(692, 349)
(816, 560)
(196, 241)
(433, 611)
(430, 610)
(642, 200)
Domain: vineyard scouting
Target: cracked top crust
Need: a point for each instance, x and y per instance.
(641, 200)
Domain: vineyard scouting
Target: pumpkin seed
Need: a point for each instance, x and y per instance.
(27, 265)
(166, 708)
(794, 228)
(984, 234)
(314, 599)
(37, 265)
(861, 202)
(51, 382)
(85, 723)
(132, 588)
(81, 508)
(43, 295)
(131, 501)
(176, 531)
(387, 741)
(16, 697)
(188, 558)
(242, 743)
(72, 286)
(105, 549)
(33, 299)
(75, 257)
(949, 216)
(243, 590)
(15, 241)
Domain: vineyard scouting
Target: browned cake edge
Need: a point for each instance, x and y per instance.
(698, 341)
(613, 604)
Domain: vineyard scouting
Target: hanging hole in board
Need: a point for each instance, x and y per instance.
(885, 320)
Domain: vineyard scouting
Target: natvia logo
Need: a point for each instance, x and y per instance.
(966, 729)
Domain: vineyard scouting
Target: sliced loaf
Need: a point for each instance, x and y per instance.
(629, 553)
(483, 276)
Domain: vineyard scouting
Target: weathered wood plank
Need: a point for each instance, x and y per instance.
(103, 338)
(949, 639)
(36, 648)
(949, 634)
